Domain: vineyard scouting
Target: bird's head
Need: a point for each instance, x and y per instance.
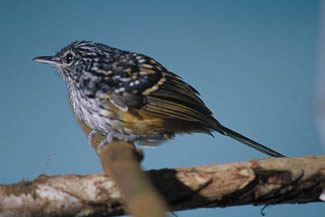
(81, 59)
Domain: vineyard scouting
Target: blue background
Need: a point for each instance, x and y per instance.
(254, 63)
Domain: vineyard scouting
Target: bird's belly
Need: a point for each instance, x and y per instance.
(96, 115)
(105, 118)
(99, 122)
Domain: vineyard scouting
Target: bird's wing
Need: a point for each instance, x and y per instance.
(146, 84)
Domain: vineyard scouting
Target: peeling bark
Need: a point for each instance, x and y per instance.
(268, 181)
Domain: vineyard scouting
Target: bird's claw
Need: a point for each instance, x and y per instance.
(130, 138)
(91, 135)
(115, 135)
(109, 138)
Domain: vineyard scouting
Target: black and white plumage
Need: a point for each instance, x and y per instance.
(131, 96)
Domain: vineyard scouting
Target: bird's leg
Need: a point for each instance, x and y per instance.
(131, 138)
(109, 138)
(115, 135)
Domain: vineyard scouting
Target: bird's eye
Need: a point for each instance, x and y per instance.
(69, 58)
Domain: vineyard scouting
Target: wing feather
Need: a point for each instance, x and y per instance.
(144, 84)
(174, 102)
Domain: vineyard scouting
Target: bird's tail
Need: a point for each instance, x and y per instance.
(228, 132)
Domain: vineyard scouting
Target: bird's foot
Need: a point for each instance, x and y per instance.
(132, 138)
(91, 135)
(115, 135)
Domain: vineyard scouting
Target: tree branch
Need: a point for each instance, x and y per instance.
(268, 181)
(121, 161)
(125, 188)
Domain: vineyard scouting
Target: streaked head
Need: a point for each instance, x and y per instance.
(80, 58)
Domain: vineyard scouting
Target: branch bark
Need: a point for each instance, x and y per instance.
(121, 161)
(268, 181)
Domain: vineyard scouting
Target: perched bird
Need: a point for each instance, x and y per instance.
(130, 96)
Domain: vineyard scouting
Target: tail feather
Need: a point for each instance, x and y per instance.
(228, 132)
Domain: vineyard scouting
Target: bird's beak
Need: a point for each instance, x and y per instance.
(52, 60)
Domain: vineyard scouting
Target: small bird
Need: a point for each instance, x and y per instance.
(130, 96)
